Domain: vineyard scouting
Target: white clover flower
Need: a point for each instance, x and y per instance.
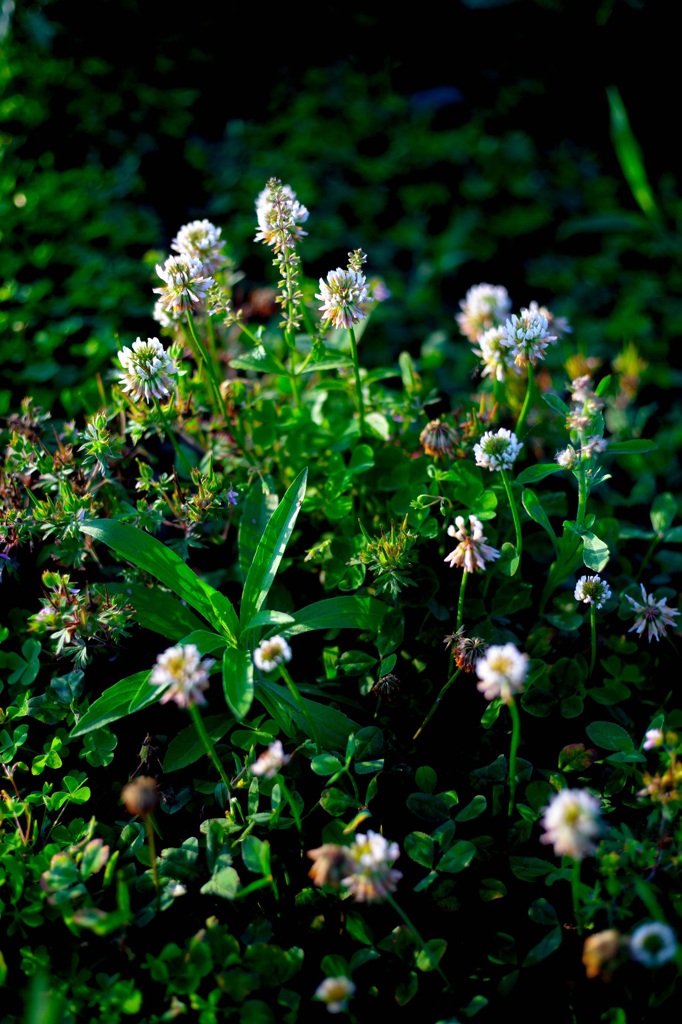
(369, 862)
(592, 590)
(184, 675)
(654, 738)
(568, 458)
(484, 306)
(502, 672)
(148, 370)
(527, 336)
(185, 285)
(279, 215)
(343, 294)
(270, 761)
(472, 552)
(497, 449)
(201, 241)
(163, 318)
(572, 821)
(497, 359)
(653, 944)
(654, 616)
(271, 653)
(335, 992)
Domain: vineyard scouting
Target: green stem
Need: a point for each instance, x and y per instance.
(582, 489)
(515, 514)
(220, 402)
(435, 704)
(207, 743)
(530, 391)
(295, 693)
(170, 434)
(460, 602)
(290, 800)
(515, 738)
(593, 638)
(647, 557)
(152, 859)
(575, 893)
(358, 385)
(434, 963)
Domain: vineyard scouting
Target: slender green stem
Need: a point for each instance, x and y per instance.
(434, 963)
(290, 800)
(437, 701)
(582, 488)
(291, 342)
(575, 893)
(593, 638)
(149, 828)
(295, 693)
(515, 738)
(515, 514)
(460, 602)
(530, 392)
(647, 557)
(170, 434)
(207, 743)
(220, 402)
(358, 385)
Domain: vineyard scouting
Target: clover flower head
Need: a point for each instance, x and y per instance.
(484, 306)
(592, 590)
(496, 357)
(163, 318)
(148, 370)
(183, 674)
(527, 336)
(502, 672)
(279, 215)
(270, 761)
(343, 294)
(652, 616)
(335, 992)
(497, 450)
(186, 283)
(572, 821)
(654, 738)
(371, 876)
(438, 438)
(567, 458)
(329, 865)
(201, 241)
(270, 653)
(653, 944)
(472, 553)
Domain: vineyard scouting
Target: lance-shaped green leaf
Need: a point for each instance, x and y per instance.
(115, 703)
(271, 548)
(533, 507)
(630, 156)
(333, 727)
(534, 473)
(158, 610)
(154, 557)
(270, 618)
(354, 612)
(238, 680)
(257, 507)
(636, 446)
(187, 747)
(556, 403)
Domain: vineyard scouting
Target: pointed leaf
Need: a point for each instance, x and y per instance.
(333, 727)
(556, 403)
(238, 680)
(637, 446)
(114, 703)
(158, 610)
(186, 747)
(364, 613)
(595, 552)
(533, 507)
(535, 473)
(258, 506)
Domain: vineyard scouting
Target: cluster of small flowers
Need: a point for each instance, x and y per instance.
(345, 292)
(652, 945)
(149, 370)
(188, 276)
(572, 821)
(183, 675)
(502, 672)
(279, 215)
(527, 335)
(472, 553)
(592, 590)
(270, 653)
(497, 450)
(365, 868)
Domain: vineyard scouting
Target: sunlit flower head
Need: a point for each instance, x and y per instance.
(149, 370)
(652, 616)
(484, 306)
(271, 653)
(527, 336)
(472, 553)
(369, 861)
(567, 458)
(572, 821)
(592, 590)
(496, 358)
(654, 738)
(335, 992)
(343, 294)
(183, 674)
(270, 761)
(279, 215)
(201, 241)
(439, 439)
(653, 944)
(497, 449)
(186, 284)
(502, 672)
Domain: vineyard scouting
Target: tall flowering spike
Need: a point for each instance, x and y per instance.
(592, 590)
(270, 761)
(279, 216)
(496, 358)
(344, 293)
(583, 395)
(149, 370)
(271, 653)
(497, 449)
(502, 672)
(472, 553)
(335, 992)
(185, 284)
(652, 616)
(183, 674)
(572, 822)
(484, 306)
(371, 876)
(527, 336)
(201, 241)
(653, 944)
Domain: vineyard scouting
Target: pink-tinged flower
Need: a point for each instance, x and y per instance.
(502, 672)
(279, 216)
(654, 738)
(270, 761)
(472, 553)
(343, 295)
(652, 616)
(201, 241)
(271, 653)
(496, 358)
(592, 590)
(183, 674)
(371, 876)
(497, 450)
(653, 944)
(527, 336)
(568, 458)
(484, 306)
(572, 821)
(149, 370)
(335, 992)
(185, 284)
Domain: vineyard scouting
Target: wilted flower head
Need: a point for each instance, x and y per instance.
(468, 650)
(572, 821)
(496, 357)
(329, 864)
(472, 552)
(600, 951)
(279, 215)
(186, 283)
(335, 992)
(270, 653)
(369, 862)
(654, 616)
(568, 458)
(497, 449)
(527, 336)
(141, 796)
(343, 294)
(653, 944)
(184, 675)
(484, 306)
(270, 761)
(201, 241)
(438, 438)
(148, 370)
(502, 672)
(592, 590)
